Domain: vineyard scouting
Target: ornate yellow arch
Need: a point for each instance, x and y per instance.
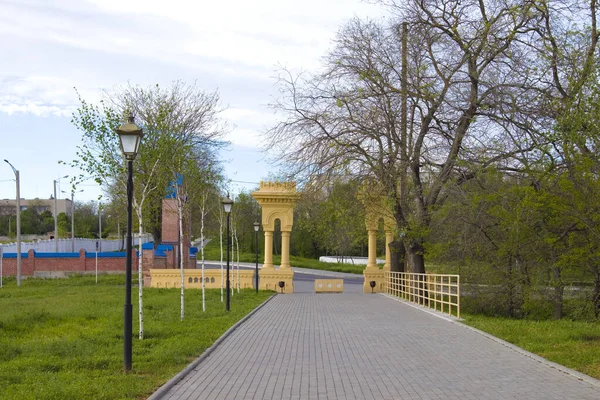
(277, 200)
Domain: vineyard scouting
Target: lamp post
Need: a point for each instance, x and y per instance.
(131, 136)
(73, 217)
(256, 227)
(17, 179)
(227, 203)
(56, 215)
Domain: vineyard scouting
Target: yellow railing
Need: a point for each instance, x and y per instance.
(440, 292)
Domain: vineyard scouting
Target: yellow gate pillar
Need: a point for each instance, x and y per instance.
(285, 249)
(389, 238)
(277, 200)
(372, 261)
(268, 250)
(372, 273)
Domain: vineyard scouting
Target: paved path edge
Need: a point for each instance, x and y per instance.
(161, 391)
(576, 374)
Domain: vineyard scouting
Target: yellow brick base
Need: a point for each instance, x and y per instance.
(377, 275)
(269, 279)
(171, 278)
(329, 285)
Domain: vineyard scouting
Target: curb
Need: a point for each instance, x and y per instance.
(575, 374)
(161, 391)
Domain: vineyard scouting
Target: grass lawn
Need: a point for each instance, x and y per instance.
(574, 344)
(63, 338)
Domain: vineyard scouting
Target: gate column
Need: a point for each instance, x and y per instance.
(268, 249)
(372, 261)
(277, 200)
(389, 238)
(285, 249)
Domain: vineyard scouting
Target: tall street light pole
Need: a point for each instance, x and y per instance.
(17, 179)
(131, 136)
(227, 203)
(56, 215)
(256, 227)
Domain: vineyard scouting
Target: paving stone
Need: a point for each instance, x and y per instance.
(363, 346)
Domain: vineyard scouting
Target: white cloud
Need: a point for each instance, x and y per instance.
(40, 95)
(233, 45)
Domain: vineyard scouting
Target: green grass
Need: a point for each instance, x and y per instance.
(63, 338)
(574, 344)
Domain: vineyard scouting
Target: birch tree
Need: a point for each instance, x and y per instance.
(179, 122)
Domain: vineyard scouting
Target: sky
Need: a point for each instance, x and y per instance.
(50, 47)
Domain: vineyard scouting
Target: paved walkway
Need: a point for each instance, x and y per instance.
(362, 346)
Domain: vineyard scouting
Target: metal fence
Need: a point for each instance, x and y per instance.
(65, 245)
(437, 291)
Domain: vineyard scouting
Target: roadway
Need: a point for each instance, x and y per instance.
(304, 278)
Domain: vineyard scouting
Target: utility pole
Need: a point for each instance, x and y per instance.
(100, 225)
(18, 181)
(55, 221)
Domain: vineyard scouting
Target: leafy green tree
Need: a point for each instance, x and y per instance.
(30, 221)
(46, 223)
(180, 125)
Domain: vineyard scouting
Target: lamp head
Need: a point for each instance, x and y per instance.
(227, 204)
(256, 226)
(130, 136)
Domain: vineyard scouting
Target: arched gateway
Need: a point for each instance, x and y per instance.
(277, 200)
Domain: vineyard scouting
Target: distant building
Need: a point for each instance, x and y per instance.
(9, 207)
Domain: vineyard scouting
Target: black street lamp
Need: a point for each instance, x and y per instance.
(227, 203)
(256, 227)
(131, 137)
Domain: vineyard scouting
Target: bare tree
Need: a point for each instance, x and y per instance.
(468, 91)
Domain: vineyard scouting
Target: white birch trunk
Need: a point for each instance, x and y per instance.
(140, 278)
(237, 248)
(179, 211)
(232, 254)
(221, 243)
(202, 252)
(138, 208)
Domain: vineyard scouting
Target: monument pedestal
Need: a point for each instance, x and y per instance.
(270, 278)
(376, 275)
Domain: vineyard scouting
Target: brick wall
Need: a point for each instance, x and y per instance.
(32, 262)
(48, 263)
(170, 221)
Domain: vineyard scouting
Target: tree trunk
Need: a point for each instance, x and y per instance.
(559, 289)
(510, 308)
(596, 299)
(221, 247)
(416, 253)
(140, 277)
(180, 212)
(417, 257)
(397, 256)
(202, 215)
